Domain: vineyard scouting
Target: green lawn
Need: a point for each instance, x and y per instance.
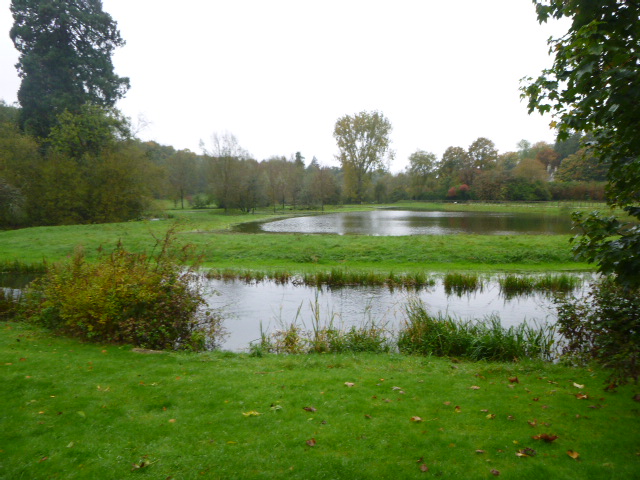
(209, 231)
(74, 411)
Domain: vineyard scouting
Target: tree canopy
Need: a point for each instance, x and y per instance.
(363, 141)
(594, 87)
(65, 51)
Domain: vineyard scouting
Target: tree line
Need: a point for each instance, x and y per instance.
(91, 169)
(67, 155)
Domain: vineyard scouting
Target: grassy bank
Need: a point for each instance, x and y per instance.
(210, 232)
(71, 410)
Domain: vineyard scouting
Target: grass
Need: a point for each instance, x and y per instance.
(513, 285)
(486, 339)
(79, 411)
(210, 232)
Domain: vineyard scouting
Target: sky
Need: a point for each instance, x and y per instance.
(278, 74)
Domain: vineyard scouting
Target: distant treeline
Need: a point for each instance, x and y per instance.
(91, 169)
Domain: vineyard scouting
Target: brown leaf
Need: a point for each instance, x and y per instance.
(480, 451)
(416, 419)
(514, 380)
(458, 409)
(424, 468)
(349, 384)
(310, 409)
(572, 454)
(495, 472)
(581, 396)
(546, 437)
(311, 442)
(474, 387)
(368, 417)
(526, 452)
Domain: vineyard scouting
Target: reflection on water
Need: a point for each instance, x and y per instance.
(402, 222)
(248, 307)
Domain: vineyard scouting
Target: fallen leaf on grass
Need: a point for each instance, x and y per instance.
(311, 442)
(577, 385)
(491, 416)
(349, 384)
(424, 468)
(252, 413)
(474, 387)
(581, 396)
(43, 459)
(480, 451)
(572, 454)
(514, 380)
(457, 409)
(546, 437)
(310, 409)
(526, 452)
(495, 472)
(416, 419)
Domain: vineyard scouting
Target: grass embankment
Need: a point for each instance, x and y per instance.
(209, 231)
(71, 410)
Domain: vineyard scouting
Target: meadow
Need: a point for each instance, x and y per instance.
(210, 233)
(74, 410)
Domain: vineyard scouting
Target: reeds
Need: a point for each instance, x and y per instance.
(462, 283)
(323, 336)
(16, 266)
(334, 278)
(514, 285)
(486, 339)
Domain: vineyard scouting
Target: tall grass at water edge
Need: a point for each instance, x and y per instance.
(461, 283)
(323, 336)
(514, 285)
(487, 339)
(332, 278)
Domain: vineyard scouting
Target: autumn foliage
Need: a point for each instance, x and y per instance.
(149, 301)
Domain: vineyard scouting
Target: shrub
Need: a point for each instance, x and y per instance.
(603, 326)
(151, 301)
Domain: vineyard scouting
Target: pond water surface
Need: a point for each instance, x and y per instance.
(250, 307)
(407, 222)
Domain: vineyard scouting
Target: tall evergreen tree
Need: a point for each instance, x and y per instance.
(65, 59)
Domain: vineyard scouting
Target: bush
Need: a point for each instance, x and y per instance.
(147, 301)
(605, 327)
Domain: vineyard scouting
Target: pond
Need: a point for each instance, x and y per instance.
(406, 222)
(249, 308)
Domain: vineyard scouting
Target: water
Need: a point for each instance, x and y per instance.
(249, 307)
(406, 222)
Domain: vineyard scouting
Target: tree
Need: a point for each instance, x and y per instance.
(65, 59)
(454, 161)
(593, 88)
(363, 141)
(422, 167)
(483, 154)
(181, 170)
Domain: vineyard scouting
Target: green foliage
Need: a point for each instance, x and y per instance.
(592, 88)
(150, 301)
(65, 59)
(363, 141)
(605, 327)
(425, 334)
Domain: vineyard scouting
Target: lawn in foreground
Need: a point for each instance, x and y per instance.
(71, 410)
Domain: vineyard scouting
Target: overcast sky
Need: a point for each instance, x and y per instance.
(279, 73)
